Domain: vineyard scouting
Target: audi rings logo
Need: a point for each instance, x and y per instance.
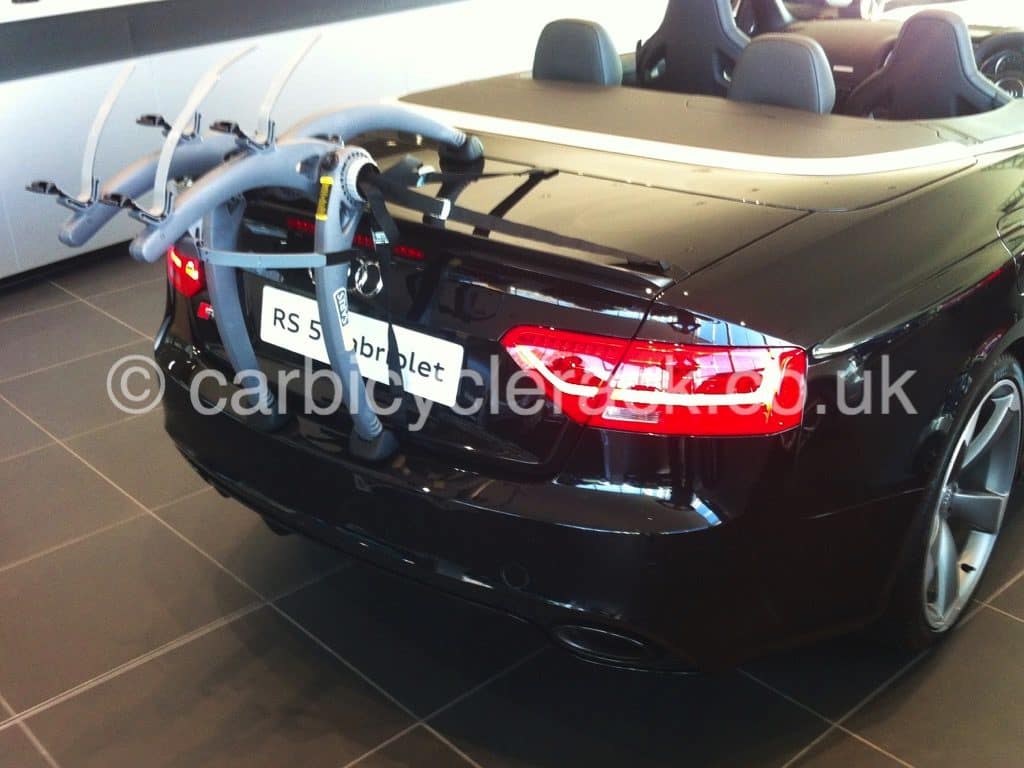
(367, 279)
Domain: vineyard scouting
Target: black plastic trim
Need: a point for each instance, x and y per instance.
(57, 43)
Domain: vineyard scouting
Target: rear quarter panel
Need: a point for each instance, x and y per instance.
(922, 290)
(923, 284)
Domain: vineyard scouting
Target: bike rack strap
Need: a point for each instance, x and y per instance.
(260, 261)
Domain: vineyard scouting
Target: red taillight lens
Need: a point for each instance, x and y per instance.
(365, 242)
(185, 272)
(661, 388)
(408, 252)
(361, 239)
(301, 226)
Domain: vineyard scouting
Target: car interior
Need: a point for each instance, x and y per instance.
(931, 72)
(930, 68)
(694, 50)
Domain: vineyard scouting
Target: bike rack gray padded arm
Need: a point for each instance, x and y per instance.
(299, 163)
(197, 158)
(276, 168)
(350, 122)
(191, 160)
(217, 199)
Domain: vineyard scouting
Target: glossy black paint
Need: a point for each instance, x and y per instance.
(710, 550)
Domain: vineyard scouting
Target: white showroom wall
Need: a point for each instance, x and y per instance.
(20, 10)
(44, 119)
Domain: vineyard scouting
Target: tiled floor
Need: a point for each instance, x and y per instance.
(144, 620)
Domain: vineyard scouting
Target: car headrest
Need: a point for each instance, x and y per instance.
(578, 51)
(786, 71)
(928, 32)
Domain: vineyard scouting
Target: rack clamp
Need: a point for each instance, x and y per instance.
(245, 140)
(136, 211)
(159, 121)
(69, 201)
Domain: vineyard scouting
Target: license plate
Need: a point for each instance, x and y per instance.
(431, 367)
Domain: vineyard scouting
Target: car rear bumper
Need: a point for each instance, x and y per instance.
(675, 585)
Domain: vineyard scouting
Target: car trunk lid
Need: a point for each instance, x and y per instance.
(450, 288)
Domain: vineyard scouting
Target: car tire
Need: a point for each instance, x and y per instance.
(963, 510)
(863, 9)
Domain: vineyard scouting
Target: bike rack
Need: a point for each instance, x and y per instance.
(90, 187)
(312, 159)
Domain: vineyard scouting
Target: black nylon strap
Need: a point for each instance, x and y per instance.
(408, 173)
(383, 250)
(501, 209)
(379, 208)
(456, 178)
(450, 177)
(443, 209)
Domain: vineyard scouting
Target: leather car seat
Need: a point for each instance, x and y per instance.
(932, 74)
(694, 50)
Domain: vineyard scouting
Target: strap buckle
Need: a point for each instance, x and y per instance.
(446, 209)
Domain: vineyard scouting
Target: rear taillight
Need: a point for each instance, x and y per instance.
(662, 388)
(408, 252)
(185, 271)
(364, 241)
(301, 226)
(361, 240)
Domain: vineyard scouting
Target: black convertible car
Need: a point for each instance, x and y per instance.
(706, 349)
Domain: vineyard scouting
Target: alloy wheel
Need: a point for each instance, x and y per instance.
(970, 509)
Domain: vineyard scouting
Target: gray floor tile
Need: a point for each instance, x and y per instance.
(141, 306)
(140, 457)
(1012, 600)
(838, 750)
(72, 398)
(961, 705)
(16, 751)
(256, 692)
(423, 647)
(834, 676)
(49, 497)
(89, 607)
(56, 336)
(1008, 559)
(418, 748)
(30, 297)
(557, 711)
(17, 434)
(237, 537)
(107, 270)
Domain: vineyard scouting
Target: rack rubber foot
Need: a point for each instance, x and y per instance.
(381, 448)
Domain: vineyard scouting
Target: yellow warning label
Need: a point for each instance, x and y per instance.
(326, 182)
